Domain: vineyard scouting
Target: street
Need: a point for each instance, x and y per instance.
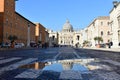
(105, 65)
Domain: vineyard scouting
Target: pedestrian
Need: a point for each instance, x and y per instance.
(109, 45)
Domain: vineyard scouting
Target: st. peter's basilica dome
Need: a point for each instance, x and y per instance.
(67, 27)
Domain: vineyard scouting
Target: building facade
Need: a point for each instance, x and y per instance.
(53, 38)
(115, 24)
(14, 24)
(68, 36)
(41, 34)
(98, 28)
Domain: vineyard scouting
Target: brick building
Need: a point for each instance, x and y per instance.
(40, 33)
(14, 24)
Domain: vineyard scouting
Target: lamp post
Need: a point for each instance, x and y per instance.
(28, 36)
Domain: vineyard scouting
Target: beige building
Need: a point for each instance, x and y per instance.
(98, 28)
(115, 24)
(53, 38)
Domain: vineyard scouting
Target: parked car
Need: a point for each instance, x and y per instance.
(5, 45)
(19, 45)
(22, 44)
(103, 45)
(33, 44)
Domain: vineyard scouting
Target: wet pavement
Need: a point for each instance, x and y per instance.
(64, 63)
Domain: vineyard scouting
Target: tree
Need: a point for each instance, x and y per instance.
(99, 39)
(85, 43)
(95, 38)
(12, 38)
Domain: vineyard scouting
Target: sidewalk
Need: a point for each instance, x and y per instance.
(105, 49)
(24, 48)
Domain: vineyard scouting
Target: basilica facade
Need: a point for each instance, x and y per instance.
(68, 36)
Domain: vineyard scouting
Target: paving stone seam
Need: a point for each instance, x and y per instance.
(16, 65)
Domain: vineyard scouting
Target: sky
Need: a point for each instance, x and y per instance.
(53, 14)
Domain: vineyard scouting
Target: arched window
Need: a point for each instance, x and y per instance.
(101, 33)
(72, 41)
(53, 37)
(61, 41)
(108, 23)
(78, 37)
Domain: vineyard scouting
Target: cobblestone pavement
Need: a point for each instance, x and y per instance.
(107, 66)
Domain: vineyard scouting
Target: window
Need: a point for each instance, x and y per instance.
(101, 23)
(108, 23)
(108, 33)
(7, 35)
(119, 21)
(7, 3)
(15, 24)
(7, 21)
(111, 25)
(11, 24)
(101, 33)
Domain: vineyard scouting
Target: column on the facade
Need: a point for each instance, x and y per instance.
(119, 30)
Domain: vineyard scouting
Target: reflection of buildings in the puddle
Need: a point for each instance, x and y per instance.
(39, 65)
(67, 65)
(93, 67)
(36, 65)
(60, 65)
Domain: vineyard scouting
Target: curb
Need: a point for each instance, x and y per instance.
(105, 49)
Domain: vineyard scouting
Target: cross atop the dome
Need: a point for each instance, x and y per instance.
(67, 21)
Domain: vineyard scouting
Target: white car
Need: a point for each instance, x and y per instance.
(19, 45)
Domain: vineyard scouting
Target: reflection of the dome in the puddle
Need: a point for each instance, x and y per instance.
(67, 66)
(59, 65)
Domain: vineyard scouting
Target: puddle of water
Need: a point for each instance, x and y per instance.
(54, 67)
(60, 65)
